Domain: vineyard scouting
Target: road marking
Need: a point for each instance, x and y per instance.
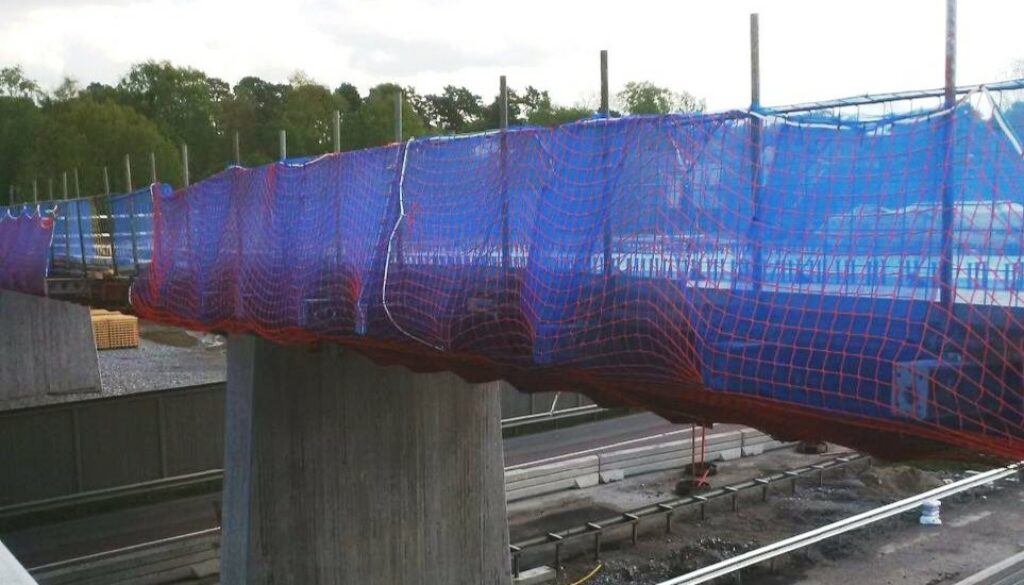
(595, 449)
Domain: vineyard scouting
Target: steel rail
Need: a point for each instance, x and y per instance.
(667, 508)
(799, 541)
(130, 549)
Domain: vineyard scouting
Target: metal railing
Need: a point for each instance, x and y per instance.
(767, 553)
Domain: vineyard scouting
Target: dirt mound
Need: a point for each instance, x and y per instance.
(899, 480)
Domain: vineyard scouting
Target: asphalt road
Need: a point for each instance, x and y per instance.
(120, 528)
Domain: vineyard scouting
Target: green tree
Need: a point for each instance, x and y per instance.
(307, 117)
(13, 83)
(19, 122)
(88, 135)
(350, 98)
(643, 97)
(454, 110)
(256, 112)
(181, 101)
(374, 123)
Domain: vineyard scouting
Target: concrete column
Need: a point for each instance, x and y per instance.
(46, 348)
(339, 471)
(11, 571)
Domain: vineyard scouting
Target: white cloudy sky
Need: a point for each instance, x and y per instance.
(811, 49)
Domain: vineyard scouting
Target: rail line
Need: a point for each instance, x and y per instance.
(597, 530)
(767, 553)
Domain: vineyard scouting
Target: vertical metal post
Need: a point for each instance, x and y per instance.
(184, 165)
(399, 239)
(106, 181)
(49, 187)
(81, 236)
(10, 195)
(152, 168)
(131, 210)
(606, 196)
(756, 235)
(946, 254)
(35, 191)
(605, 100)
(67, 220)
(398, 115)
(74, 174)
(282, 144)
(503, 166)
(237, 149)
(128, 173)
(336, 126)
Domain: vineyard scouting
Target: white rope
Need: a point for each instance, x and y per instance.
(997, 113)
(387, 257)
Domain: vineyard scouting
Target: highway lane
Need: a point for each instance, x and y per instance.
(120, 528)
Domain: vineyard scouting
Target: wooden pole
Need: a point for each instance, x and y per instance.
(106, 181)
(64, 184)
(35, 191)
(946, 254)
(78, 192)
(756, 131)
(237, 149)
(152, 168)
(336, 126)
(282, 144)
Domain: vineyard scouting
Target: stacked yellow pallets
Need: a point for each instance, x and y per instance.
(114, 330)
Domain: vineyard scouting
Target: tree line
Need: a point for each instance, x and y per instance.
(158, 106)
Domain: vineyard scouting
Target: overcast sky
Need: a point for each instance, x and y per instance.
(810, 49)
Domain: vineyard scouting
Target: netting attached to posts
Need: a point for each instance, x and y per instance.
(25, 237)
(850, 273)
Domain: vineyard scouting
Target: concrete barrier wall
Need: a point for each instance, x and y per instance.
(63, 449)
(46, 347)
(74, 447)
(587, 471)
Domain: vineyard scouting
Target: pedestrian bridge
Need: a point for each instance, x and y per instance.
(850, 270)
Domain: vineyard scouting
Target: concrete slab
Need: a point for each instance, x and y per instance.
(586, 481)
(612, 475)
(536, 576)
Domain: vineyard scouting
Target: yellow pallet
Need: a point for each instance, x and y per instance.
(114, 330)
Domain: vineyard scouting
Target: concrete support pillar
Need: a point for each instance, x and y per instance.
(46, 348)
(342, 472)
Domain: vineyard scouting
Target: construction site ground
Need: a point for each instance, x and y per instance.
(979, 528)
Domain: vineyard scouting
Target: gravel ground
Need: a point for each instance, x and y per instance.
(979, 529)
(167, 357)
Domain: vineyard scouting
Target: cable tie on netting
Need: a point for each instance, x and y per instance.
(391, 240)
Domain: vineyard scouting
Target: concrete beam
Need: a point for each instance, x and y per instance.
(339, 471)
(46, 348)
